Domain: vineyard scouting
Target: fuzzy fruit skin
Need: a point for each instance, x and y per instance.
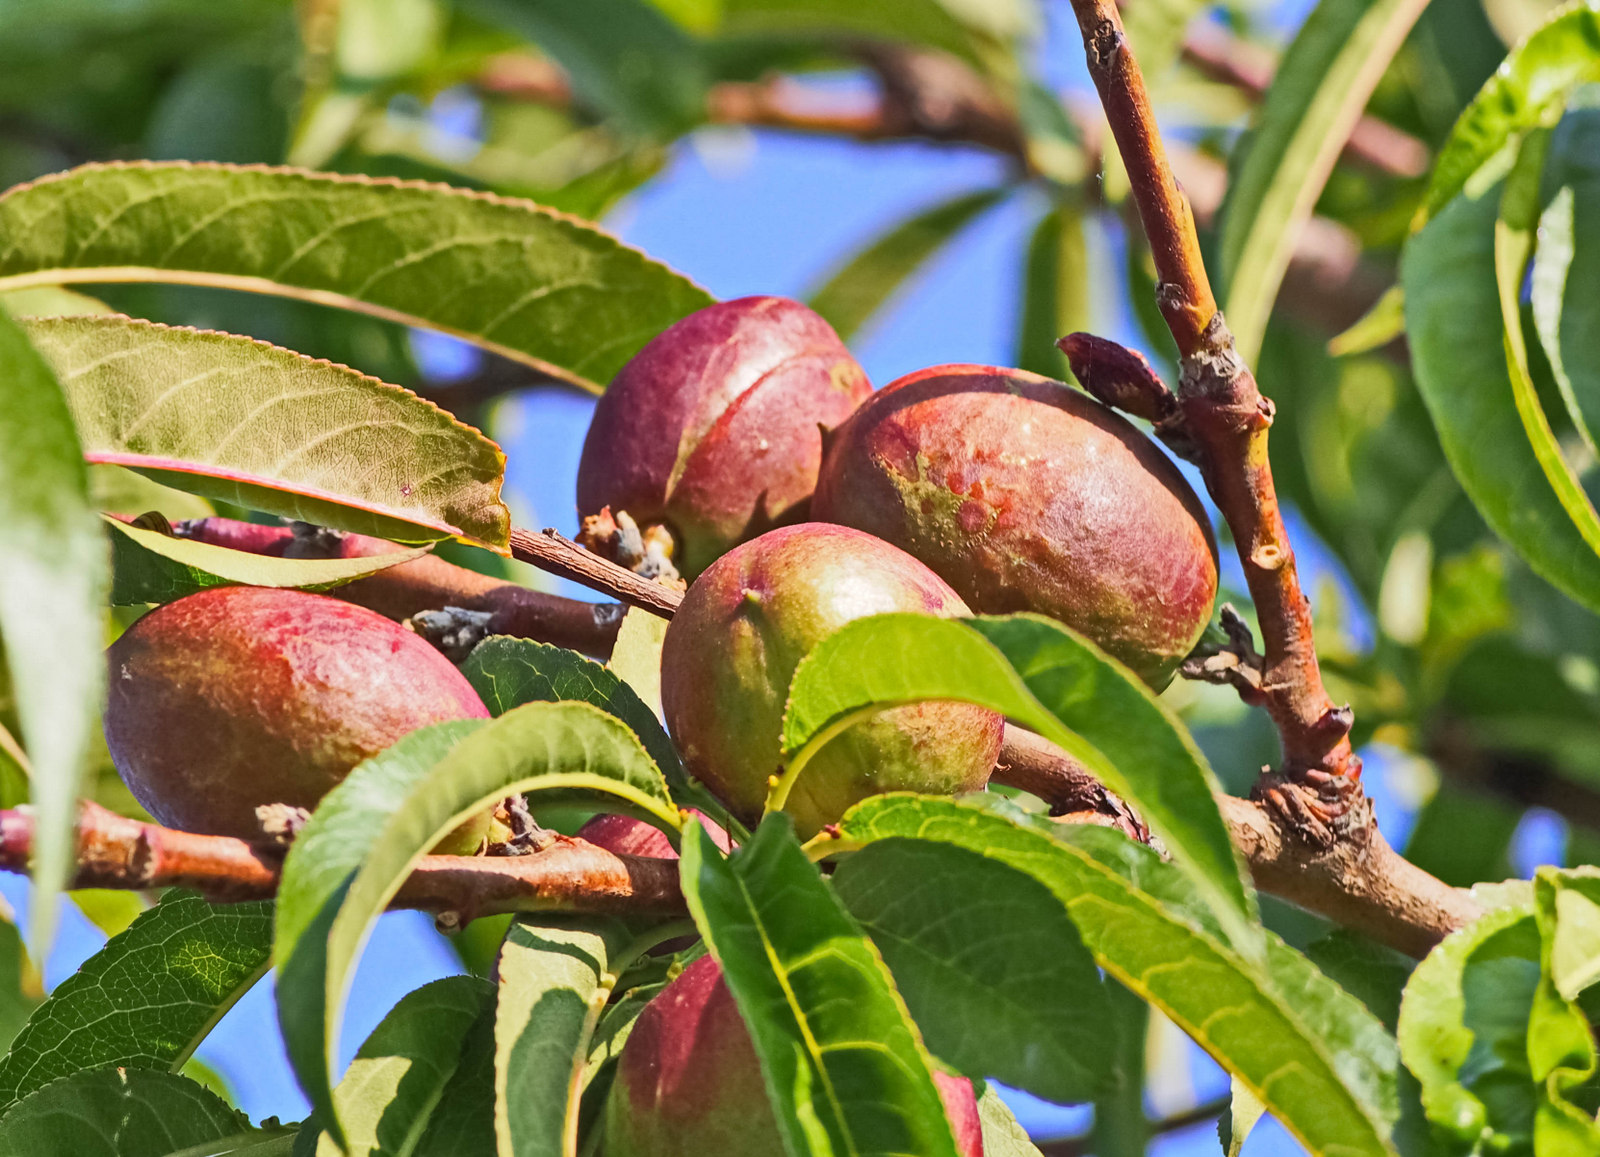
(734, 644)
(239, 696)
(689, 1083)
(1026, 495)
(712, 428)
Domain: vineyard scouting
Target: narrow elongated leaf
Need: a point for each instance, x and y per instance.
(463, 1123)
(1379, 326)
(400, 1072)
(1528, 89)
(1321, 1064)
(1434, 1034)
(627, 61)
(546, 289)
(1316, 97)
(263, 427)
(402, 803)
(864, 283)
(147, 998)
(1003, 1135)
(1040, 674)
(842, 1063)
(53, 576)
(123, 1113)
(507, 673)
(926, 22)
(636, 660)
(1496, 438)
(1560, 1044)
(984, 957)
(150, 567)
(1566, 271)
(1055, 291)
(554, 980)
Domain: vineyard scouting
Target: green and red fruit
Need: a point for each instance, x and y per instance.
(689, 1084)
(1026, 495)
(239, 697)
(733, 647)
(712, 429)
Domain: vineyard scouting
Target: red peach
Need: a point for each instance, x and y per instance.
(734, 644)
(712, 428)
(1026, 495)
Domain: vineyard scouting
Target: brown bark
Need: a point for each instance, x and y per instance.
(568, 875)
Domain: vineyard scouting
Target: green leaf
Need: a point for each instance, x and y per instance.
(626, 60)
(1560, 1045)
(1496, 438)
(925, 22)
(53, 576)
(982, 955)
(151, 567)
(50, 301)
(1370, 972)
(1003, 1136)
(861, 286)
(1316, 97)
(273, 430)
(636, 659)
(1055, 291)
(1566, 274)
(386, 815)
(1434, 1034)
(547, 290)
(21, 989)
(1575, 942)
(1376, 328)
(399, 1075)
(507, 673)
(147, 998)
(1529, 89)
(843, 1066)
(123, 1113)
(463, 1123)
(1321, 1064)
(1042, 675)
(1156, 30)
(555, 977)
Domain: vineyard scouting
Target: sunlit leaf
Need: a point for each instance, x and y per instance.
(54, 571)
(126, 1113)
(272, 430)
(1056, 299)
(554, 978)
(147, 998)
(1319, 1061)
(982, 955)
(537, 286)
(865, 282)
(1316, 97)
(369, 832)
(1040, 674)
(150, 567)
(847, 1082)
(1529, 89)
(1496, 438)
(399, 1074)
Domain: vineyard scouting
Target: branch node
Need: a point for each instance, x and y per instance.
(453, 630)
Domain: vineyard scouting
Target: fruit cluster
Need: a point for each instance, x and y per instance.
(748, 445)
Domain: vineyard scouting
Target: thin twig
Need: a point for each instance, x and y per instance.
(1228, 418)
(559, 555)
(426, 584)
